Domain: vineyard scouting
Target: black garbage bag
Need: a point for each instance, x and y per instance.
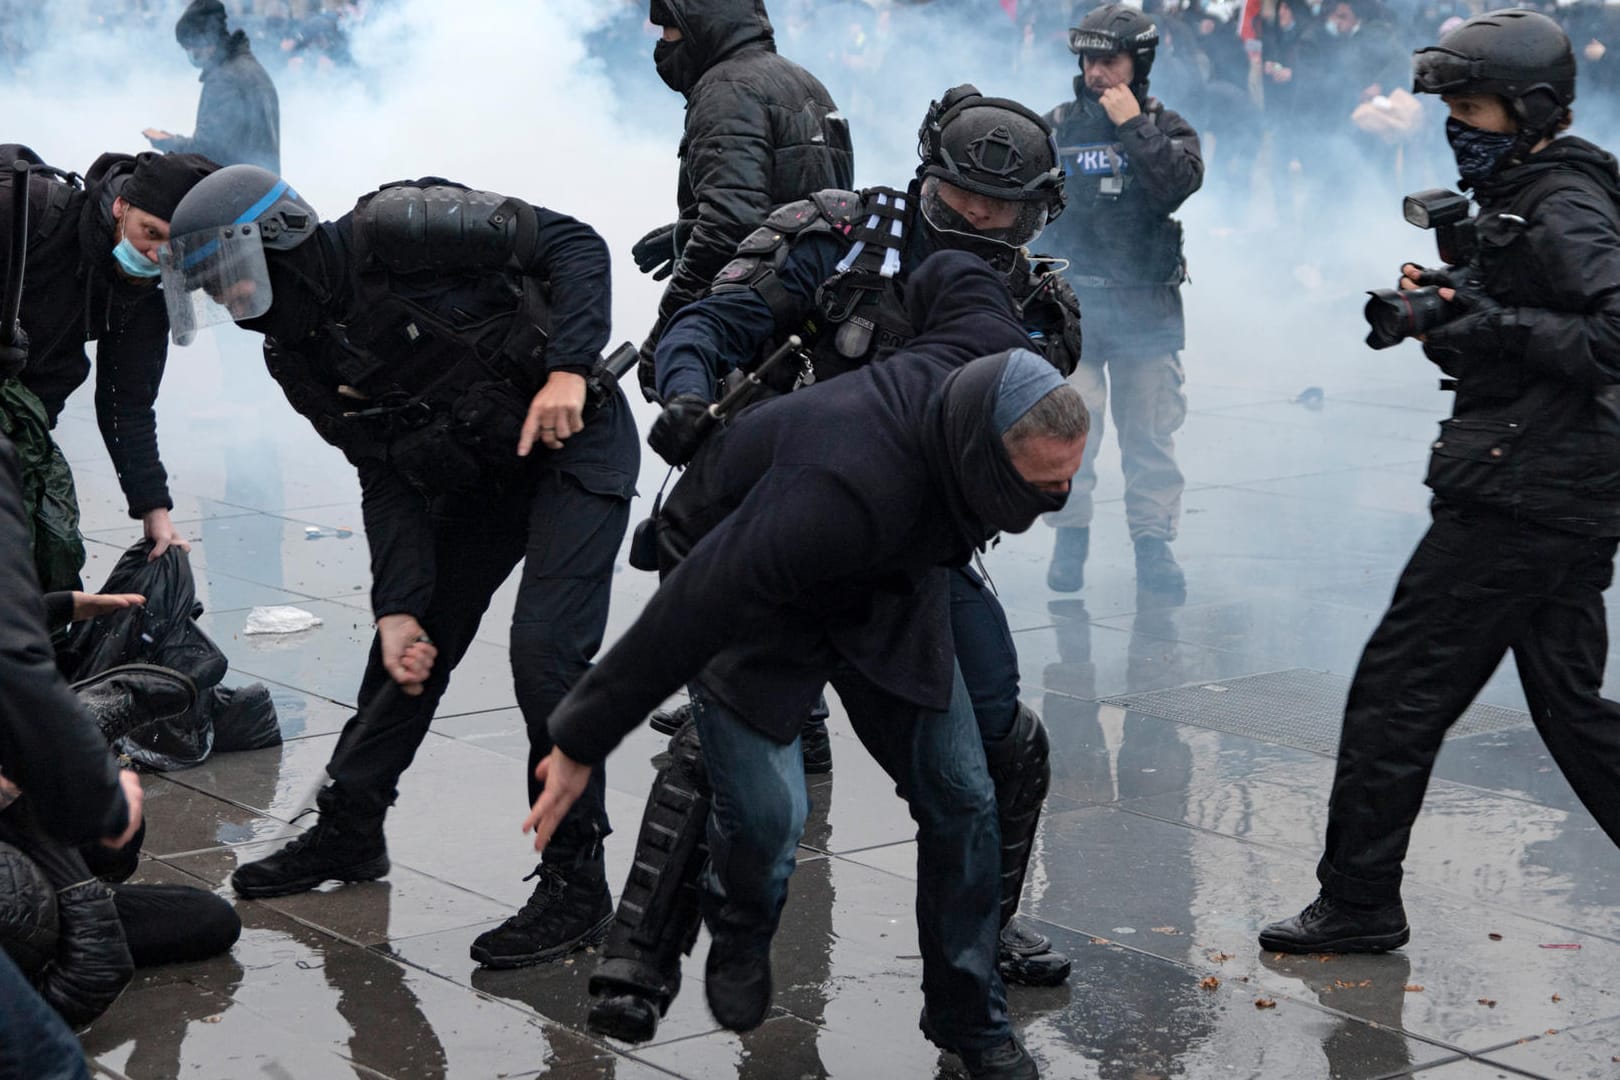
(50, 503)
(164, 632)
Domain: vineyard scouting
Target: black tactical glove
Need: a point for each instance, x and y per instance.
(1482, 347)
(14, 357)
(655, 252)
(680, 429)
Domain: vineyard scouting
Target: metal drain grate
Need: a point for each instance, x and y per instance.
(1298, 707)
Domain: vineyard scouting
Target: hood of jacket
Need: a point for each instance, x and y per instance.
(1567, 152)
(717, 29)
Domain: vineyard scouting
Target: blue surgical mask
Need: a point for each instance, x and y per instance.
(1479, 153)
(133, 263)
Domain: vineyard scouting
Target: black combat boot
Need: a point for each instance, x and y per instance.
(1067, 573)
(344, 845)
(1329, 925)
(1026, 956)
(815, 745)
(1156, 568)
(669, 721)
(569, 910)
(1003, 1061)
(737, 982)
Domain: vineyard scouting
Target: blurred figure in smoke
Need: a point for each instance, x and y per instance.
(1131, 163)
(238, 114)
(760, 131)
(91, 275)
(1525, 474)
(833, 269)
(436, 335)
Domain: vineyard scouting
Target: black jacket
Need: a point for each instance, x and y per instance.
(1535, 429)
(48, 746)
(314, 360)
(1124, 248)
(811, 545)
(73, 293)
(238, 113)
(760, 131)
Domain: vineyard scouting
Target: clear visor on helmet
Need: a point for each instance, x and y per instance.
(214, 276)
(958, 212)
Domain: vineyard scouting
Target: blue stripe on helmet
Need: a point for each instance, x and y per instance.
(252, 213)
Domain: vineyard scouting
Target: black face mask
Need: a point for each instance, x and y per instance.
(1479, 153)
(676, 65)
(297, 298)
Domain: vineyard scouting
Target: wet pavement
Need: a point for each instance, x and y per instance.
(1172, 832)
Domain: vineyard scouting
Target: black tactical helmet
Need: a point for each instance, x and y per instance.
(213, 265)
(1522, 56)
(991, 146)
(1113, 29)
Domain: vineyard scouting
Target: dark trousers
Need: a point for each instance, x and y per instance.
(174, 924)
(566, 538)
(1478, 585)
(984, 652)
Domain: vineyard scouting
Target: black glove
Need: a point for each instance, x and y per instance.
(14, 357)
(655, 252)
(1475, 333)
(680, 429)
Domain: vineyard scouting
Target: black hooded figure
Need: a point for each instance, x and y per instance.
(807, 545)
(760, 131)
(238, 114)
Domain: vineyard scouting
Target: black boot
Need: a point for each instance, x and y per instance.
(815, 745)
(133, 696)
(737, 982)
(669, 721)
(1067, 573)
(1329, 925)
(1156, 568)
(569, 910)
(1026, 956)
(1003, 1061)
(344, 845)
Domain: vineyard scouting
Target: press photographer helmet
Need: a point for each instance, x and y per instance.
(1113, 29)
(1521, 56)
(213, 265)
(995, 148)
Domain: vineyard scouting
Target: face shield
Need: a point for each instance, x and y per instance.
(214, 276)
(981, 223)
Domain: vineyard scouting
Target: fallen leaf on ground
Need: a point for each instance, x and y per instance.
(1209, 982)
(1557, 998)
(1165, 930)
(1220, 957)
(1413, 988)
(1264, 1003)
(1489, 1003)
(1099, 941)
(1494, 937)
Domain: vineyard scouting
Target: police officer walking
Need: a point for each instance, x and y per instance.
(1525, 474)
(1131, 163)
(447, 341)
(833, 270)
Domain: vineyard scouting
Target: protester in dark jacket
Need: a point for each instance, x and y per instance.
(810, 552)
(238, 114)
(92, 275)
(760, 131)
(1525, 474)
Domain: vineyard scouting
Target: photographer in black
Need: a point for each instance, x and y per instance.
(1525, 474)
(437, 335)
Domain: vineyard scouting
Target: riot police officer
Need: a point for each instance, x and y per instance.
(1131, 163)
(446, 340)
(1525, 474)
(832, 269)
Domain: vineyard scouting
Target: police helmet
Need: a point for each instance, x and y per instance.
(214, 265)
(994, 148)
(1522, 56)
(1117, 28)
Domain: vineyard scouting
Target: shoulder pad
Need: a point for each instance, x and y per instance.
(824, 208)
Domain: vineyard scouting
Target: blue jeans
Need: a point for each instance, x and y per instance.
(35, 1044)
(937, 763)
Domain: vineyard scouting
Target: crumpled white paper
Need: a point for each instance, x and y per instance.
(280, 620)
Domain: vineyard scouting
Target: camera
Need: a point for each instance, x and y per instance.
(1397, 314)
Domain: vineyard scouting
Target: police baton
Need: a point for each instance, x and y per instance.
(745, 391)
(16, 257)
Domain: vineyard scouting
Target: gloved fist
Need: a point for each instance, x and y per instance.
(14, 357)
(680, 428)
(655, 253)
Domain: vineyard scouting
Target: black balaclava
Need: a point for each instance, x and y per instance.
(964, 311)
(203, 26)
(1479, 153)
(676, 61)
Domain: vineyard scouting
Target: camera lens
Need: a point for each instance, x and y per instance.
(1397, 314)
